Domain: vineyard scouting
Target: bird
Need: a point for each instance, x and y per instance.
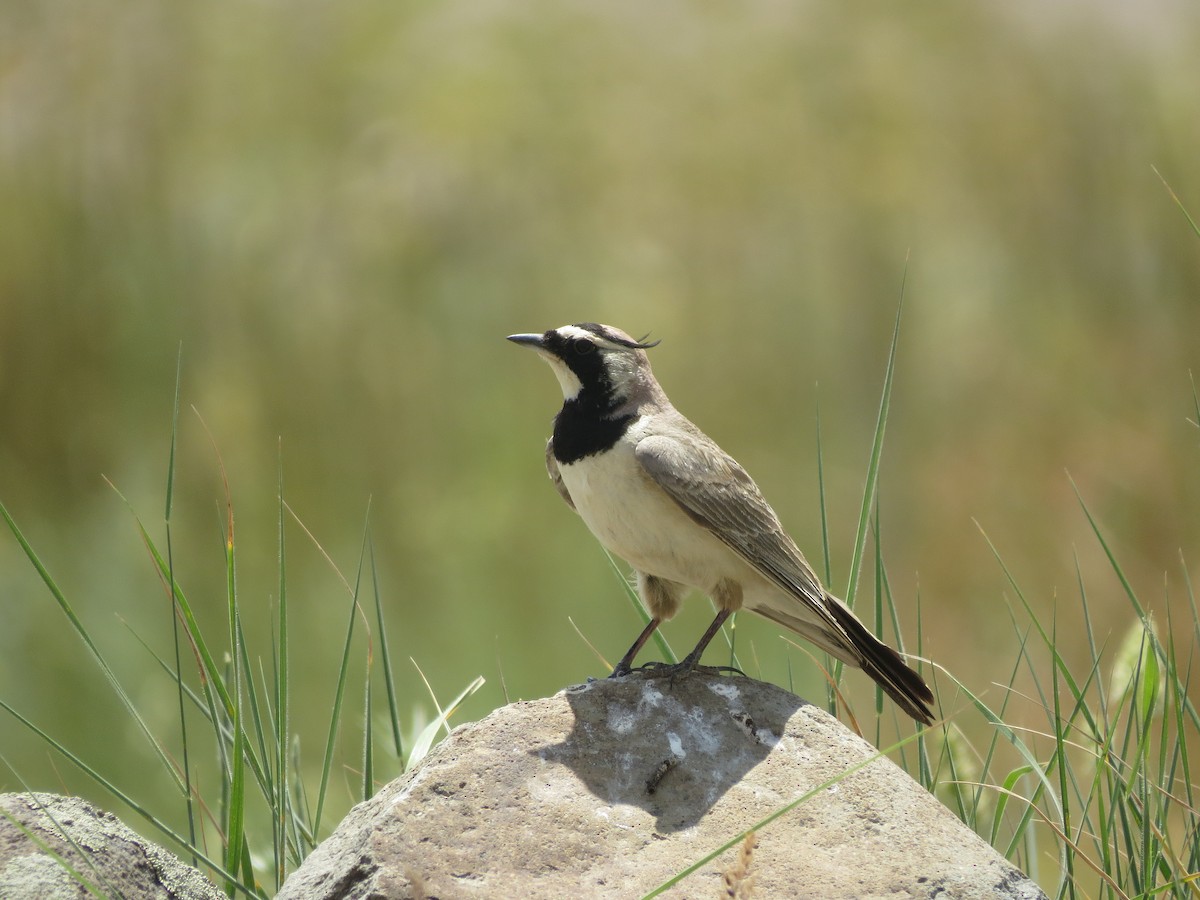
(656, 491)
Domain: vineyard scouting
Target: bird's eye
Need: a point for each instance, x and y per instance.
(584, 347)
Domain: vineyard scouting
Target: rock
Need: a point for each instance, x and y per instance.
(112, 858)
(610, 788)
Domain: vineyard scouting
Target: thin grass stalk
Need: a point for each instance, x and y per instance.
(335, 715)
(994, 741)
(1183, 209)
(871, 484)
(1064, 791)
(389, 678)
(301, 819)
(183, 735)
(878, 624)
(1011, 736)
(86, 637)
(280, 812)
(208, 665)
(1179, 693)
(635, 601)
(339, 692)
(872, 481)
(368, 765)
(924, 770)
(236, 796)
(257, 719)
(826, 660)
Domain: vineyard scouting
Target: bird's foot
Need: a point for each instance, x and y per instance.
(659, 668)
(723, 670)
(620, 670)
(676, 672)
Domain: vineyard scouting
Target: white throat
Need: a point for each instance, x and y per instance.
(567, 380)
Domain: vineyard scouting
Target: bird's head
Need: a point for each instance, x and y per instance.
(593, 361)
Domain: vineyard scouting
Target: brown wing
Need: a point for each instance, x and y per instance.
(555, 475)
(717, 493)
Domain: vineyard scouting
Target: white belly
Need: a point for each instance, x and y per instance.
(634, 519)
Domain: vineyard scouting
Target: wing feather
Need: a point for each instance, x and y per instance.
(710, 486)
(556, 475)
(716, 492)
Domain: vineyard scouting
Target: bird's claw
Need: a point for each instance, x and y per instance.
(676, 672)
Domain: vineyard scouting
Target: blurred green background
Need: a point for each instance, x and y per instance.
(340, 210)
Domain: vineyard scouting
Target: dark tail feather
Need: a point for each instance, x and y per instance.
(884, 664)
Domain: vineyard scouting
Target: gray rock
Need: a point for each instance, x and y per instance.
(108, 855)
(610, 788)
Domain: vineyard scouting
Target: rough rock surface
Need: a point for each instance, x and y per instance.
(112, 858)
(608, 789)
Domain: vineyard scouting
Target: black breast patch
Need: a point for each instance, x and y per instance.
(580, 432)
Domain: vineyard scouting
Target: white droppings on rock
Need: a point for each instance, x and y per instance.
(706, 739)
(620, 720)
(725, 687)
(651, 695)
(676, 745)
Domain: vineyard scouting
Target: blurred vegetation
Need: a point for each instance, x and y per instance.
(339, 210)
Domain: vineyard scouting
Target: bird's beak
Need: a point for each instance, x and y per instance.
(533, 341)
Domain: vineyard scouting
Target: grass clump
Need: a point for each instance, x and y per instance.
(258, 818)
(1079, 771)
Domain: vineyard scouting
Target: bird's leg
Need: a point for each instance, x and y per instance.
(626, 664)
(682, 669)
(690, 661)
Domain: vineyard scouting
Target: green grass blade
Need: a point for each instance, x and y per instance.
(78, 625)
(209, 671)
(994, 741)
(1064, 792)
(821, 502)
(335, 716)
(236, 792)
(189, 695)
(425, 739)
(1183, 209)
(389, 678)
(1008, 789)
(827, 661)
(174, 433)
(872, 481)
(1112, 559)
(1195, 400)
(303, 834)
(280, 817)
(258, 721)
(236, 818)
(877, 596)
(1011, 736)
(368, 775)
(183, 733)
(1131, 595)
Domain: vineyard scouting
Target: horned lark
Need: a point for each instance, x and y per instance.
(659, 493)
